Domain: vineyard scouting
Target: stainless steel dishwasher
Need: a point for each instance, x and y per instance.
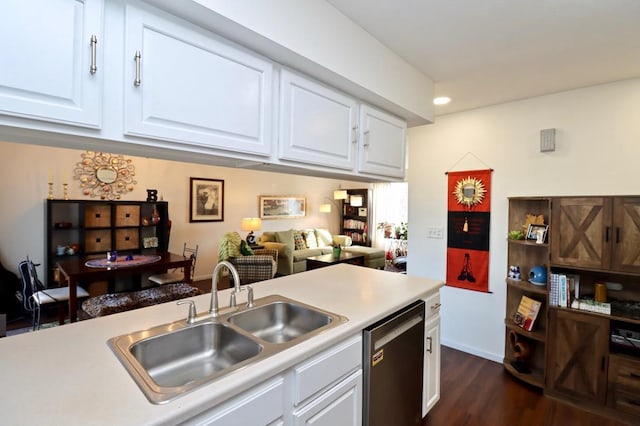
(393, 365)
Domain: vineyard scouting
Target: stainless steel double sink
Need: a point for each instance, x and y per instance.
(172, 359)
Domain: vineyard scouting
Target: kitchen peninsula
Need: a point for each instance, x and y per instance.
(76, 379)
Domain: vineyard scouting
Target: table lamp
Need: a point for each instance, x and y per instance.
(251, 224)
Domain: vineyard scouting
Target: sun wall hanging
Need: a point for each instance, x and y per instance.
(468, 226)
(103, 175)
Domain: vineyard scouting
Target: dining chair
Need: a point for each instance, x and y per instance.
(35, 295)
(176, 275)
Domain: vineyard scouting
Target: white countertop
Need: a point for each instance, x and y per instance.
(68, 375)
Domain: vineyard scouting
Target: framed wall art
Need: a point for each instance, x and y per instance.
(206, 200)
(282, 207)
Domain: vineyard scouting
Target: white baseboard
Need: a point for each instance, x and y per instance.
(473, 351)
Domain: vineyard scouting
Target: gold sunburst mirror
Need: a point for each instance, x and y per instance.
(469, 191)
(103, 175)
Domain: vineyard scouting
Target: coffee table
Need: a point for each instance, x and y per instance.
(315, 262)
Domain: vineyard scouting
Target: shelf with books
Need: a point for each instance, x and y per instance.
(524, 256)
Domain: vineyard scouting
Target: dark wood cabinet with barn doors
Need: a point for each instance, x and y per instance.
(591, 359)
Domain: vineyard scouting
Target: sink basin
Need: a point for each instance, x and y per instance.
(281, 321)
(174, 358)
(179, 358)
(169, 360)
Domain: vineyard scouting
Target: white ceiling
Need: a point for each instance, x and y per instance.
(485, 52)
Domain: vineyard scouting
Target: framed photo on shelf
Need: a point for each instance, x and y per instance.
(537, 233)
(206, 200)
(282, 207)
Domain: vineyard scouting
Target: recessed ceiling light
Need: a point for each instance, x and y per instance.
(441, 100)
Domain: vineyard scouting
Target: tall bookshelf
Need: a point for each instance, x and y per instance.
(526, 254)
(355, 220)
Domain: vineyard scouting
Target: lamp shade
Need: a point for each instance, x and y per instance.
(340, 194)
(325, 208)
(251, 224)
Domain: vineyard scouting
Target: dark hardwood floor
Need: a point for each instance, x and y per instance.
(476, 391)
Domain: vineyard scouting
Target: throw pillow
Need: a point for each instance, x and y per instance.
(298, 241)
(342, 240)
(310, 238)
(229, 246)
(324, 237)
(245, 249)
(285, 237)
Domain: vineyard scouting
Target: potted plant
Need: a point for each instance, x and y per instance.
(402, 231)
(337, 249)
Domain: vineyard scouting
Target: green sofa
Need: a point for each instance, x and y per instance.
(295, 246)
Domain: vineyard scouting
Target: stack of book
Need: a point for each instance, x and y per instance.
(564, 291)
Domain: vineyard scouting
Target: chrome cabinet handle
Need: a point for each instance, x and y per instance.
(430, 350)
(138, 59)
(366, 138)
(436, 306)
(354, 134)
(94, 65)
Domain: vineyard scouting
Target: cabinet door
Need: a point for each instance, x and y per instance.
(340, 405)
(259, 406)
(382, 148)
(581, 234)
(317, 124)
(46, 60)
(431, 381)
(189, 86)
(577, 355)
(625, 234)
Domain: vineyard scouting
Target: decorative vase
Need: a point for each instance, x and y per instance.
(336, 251)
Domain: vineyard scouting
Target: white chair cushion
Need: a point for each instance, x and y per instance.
(168, 278)
(57, 294)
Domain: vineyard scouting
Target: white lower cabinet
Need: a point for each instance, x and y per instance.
(51, 60)
(325, 389)
(340, 405)
(185, 85)
(431, 379)
(259, 406)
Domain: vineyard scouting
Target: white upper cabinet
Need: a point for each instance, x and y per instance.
(382, 147)
(186, 85)
(49, 67)
(317, 124)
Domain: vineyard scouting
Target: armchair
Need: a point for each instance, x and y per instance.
(257, 265)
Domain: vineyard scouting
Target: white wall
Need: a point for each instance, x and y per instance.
(597, 153)
(24, 171)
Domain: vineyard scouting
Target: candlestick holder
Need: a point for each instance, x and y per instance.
(65, 191)
(51, 190)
